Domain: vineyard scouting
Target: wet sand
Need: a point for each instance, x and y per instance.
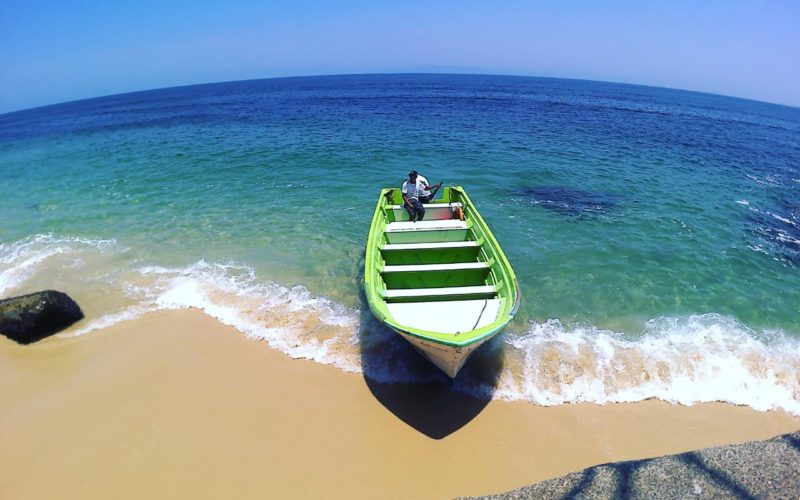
(176, 404)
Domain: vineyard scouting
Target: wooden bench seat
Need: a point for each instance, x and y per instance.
(440, 245)
(427, 231)
(426, 225)
(426, 268)
(433, 211)
(409, 293)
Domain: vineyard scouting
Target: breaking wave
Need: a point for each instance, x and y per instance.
(684, 360)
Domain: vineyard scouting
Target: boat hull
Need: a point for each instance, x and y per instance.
(449, 359)
(443, 283)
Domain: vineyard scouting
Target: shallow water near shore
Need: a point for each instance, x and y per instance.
(655, 233)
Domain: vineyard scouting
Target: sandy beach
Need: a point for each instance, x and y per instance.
(176, 404)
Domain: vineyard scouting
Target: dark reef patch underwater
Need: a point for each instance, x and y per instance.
(571, 202)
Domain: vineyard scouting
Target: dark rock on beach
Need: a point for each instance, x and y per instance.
(32, 317)
(760, 469)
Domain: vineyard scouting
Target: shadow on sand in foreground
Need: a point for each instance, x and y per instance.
(417, 392)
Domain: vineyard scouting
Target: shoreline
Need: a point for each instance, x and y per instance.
(177, 403)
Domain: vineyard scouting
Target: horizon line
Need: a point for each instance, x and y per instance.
(393, 73)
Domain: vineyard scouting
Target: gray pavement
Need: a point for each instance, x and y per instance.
(760, 469)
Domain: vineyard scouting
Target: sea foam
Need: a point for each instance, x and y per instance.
(685, 360)
(21, 260)
(290, 319)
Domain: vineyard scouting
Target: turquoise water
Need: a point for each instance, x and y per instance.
(655, 233)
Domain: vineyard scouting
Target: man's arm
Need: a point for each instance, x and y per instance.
(404, 191)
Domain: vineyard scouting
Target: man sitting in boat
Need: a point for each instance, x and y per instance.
(425, 195)
(412, 192)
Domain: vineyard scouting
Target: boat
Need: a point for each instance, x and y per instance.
(443, 283)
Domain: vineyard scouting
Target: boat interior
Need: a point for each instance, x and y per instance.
(440, 273)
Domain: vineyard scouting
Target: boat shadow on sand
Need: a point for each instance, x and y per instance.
(417, 392)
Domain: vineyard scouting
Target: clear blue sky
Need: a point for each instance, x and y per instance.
(59, 50)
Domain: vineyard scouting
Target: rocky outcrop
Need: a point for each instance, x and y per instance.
(32, 317)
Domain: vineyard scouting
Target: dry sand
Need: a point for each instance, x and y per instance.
(177, 405)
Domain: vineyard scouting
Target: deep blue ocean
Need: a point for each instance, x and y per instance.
(655, 232)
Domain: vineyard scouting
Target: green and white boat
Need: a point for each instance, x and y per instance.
(443, 283)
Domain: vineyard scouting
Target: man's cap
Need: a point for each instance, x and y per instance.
(413, 172)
